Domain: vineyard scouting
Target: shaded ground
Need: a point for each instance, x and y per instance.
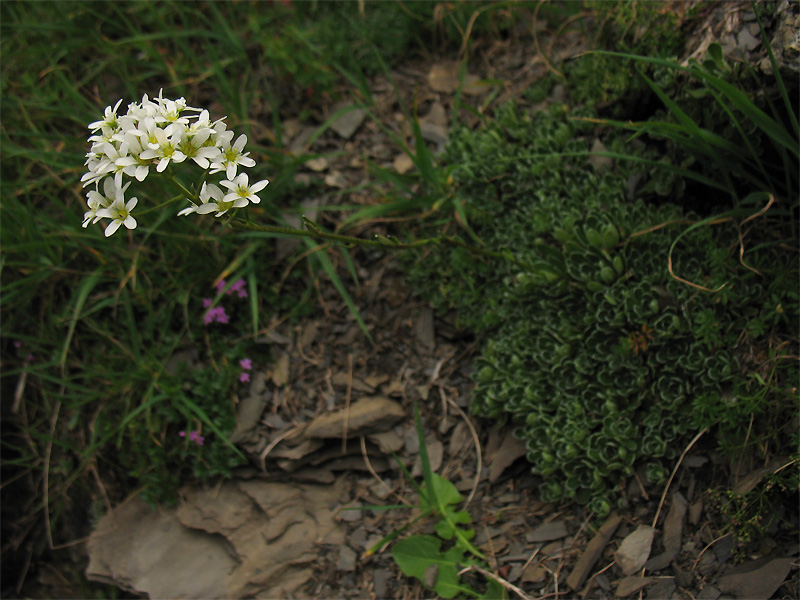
(325, 364)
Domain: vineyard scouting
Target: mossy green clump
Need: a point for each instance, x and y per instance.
(603, 361)
(646, 28)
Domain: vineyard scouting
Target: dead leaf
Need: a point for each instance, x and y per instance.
(437, 134)
(424, 329)
(635, 549)
(673, 526)
(317, 164)
(347, 123)
(435, 456)
(459, 438)
(388, 441)
(554, 530)
(403, 163)
(629, 585)
(600, 162)
(436, 115)
(368, 415)
(342, 379)
(280, 372)
(592, 552)
(249, 410)
(443, 77)
(756, 580)
(510, 450)
(336, 180)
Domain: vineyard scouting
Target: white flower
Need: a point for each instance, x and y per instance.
(232, 156)
(214, 200)
(120, 212)
(189, 209)
(165, 150)
(240, 189)
(154, 133)
(109, 118)
(132, 164)
(195, 147)
(96, 201)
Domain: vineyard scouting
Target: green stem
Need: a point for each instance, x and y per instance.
(189, 195)
(162, 205)
(378, 242)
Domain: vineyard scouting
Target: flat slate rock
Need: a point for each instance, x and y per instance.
(244, 539)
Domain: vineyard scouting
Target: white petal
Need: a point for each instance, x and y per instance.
(257, 187)
(201, 162)
(188, 210)
(112, 227)
(204, 209)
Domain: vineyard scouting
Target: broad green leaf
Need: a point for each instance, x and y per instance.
(417, 554)
(444, 491)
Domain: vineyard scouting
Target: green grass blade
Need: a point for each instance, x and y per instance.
(427, 472)
(322, 259)
(790, 108)
(84, 290)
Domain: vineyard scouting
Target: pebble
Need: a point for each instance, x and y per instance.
(347, 559)
(380, 578)
(708, 593)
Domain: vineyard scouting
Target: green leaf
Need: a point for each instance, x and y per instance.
(417, 554)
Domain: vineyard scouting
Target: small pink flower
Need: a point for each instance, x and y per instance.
(221, 286)
(216, 314)
(244, 377)
(238, 287)
(207, 302)
(194, 436)
(246, 364)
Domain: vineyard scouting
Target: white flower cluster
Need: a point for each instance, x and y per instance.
(155, 133)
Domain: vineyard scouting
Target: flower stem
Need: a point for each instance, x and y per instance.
(162, 205)
(379, 241)
(189, 195)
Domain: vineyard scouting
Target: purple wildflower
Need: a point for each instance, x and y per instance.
(238, 287)
(207, 302)
(216, 314)
(244, 377)
(246, 364)
(194, 436)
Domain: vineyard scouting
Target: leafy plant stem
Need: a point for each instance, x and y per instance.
(380, 241)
